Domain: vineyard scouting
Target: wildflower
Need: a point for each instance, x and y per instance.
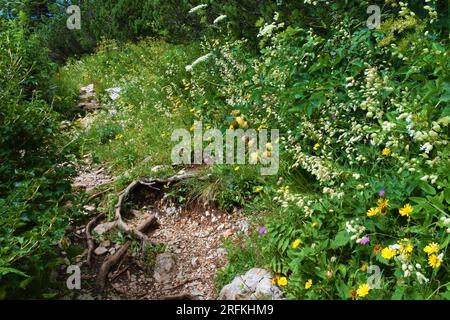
(275, 279)
(240, 121)
(431, 248)
(383, 204)
(308, 284)
(119, 136)
(236, 112)
(220, 18)
(386, 152)
(262, 231)
(365, 240)
(199, 7)
(406, 210)
(236, 168)
(258, 189)
(314, 224)
(435, 261)
(373, 212)
(381, 193)
(296, 243)
(363, 290)
(364, 267)
(353, 294)
(377, 249)
(388, 253)
(316, 146)
(190, 67)
(282, 281)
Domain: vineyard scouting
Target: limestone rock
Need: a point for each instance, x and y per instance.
(164, 267)
(256, 284)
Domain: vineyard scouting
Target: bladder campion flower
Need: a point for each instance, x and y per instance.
(282, 281)
(308, 284)
(388, 253)
(363, 290)
(296, 243)
(373, 212)
(386, 152)
(435, 261)
(406, 210)
(431, 248)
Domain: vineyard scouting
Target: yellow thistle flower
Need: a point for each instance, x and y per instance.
(431, 248)
(282, 281)
(363, 290)
(373, 212)
(435, 261)
(296, 243)
(406, 210)
(388, 253)
(386, 152)
(308, 284)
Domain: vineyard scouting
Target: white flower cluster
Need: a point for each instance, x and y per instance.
(190, 67)
(197, 8)
(356, 230)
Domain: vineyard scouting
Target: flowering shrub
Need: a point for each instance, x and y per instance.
(365, 119)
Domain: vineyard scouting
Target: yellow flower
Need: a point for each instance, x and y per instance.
(314, 224)
(205, 103)
(258, 189)
(236, 112)
(296, 243)
(383, 204)
(431, 248)
(282, 281)
(388, 253)
(236, 168)
(406, 210)
(363, 290)
(373, 212)
(240, 121)
(386, 152)
(316, 146)
(192, 110)
(119, 136)
(364, 267)
(275, 279)
(435, 261)
(308, 284)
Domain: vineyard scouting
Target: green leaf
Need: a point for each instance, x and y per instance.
(341, 239)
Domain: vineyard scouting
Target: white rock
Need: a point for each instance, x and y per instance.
(100, 251)
(104, 227)
(256, 284)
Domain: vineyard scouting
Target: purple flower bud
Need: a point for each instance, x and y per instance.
(382, 193)
(262, 231)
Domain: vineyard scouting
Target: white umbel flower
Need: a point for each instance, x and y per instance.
(220, 18)
(199, 7)
(190, 67)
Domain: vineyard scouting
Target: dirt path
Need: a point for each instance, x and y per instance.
(183, 259)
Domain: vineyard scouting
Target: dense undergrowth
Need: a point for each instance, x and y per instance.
(360, 206)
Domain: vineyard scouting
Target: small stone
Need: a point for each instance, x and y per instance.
(164, 267)
(194, 262)
(105, 243)
(104, 227)
(100, 251)
(112, 251)
(89, 208)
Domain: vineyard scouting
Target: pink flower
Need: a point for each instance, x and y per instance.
(365, 240)
(262, 231)
(382, 193)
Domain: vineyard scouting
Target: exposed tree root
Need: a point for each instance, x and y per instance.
(112, 260)
(90, 238)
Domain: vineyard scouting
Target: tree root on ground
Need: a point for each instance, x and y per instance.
(138, 232)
